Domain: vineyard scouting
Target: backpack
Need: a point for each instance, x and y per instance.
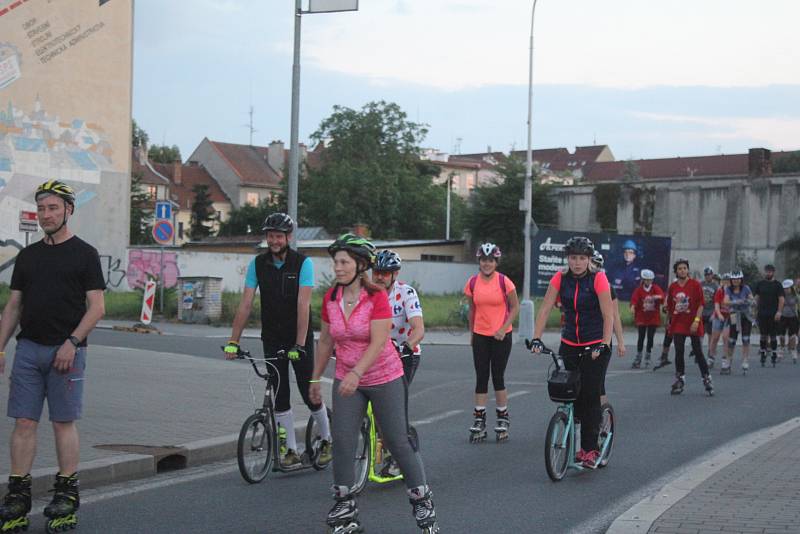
(474, 279)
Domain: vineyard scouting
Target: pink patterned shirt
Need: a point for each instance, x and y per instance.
(351, 336)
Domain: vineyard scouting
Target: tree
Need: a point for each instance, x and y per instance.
(788, 163)
(138, 136)
(141, 220)
(371, 173)
(494, 215)
(248, 219)
(164, 154)
(202, 213)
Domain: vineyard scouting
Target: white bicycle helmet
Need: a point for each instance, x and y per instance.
(488, 250)
(647, 274)
(787, 283)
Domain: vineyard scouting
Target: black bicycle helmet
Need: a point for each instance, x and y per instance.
(387, 261)
(678, 262)
(359, 246)
(278, 222)
(579, 245)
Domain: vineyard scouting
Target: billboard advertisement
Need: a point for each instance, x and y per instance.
(625, 256)
(65, 113)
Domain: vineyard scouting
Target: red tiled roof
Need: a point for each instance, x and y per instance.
(146, 174)
(460, 164)
(250, 163)
(654, 169)
(191, 175)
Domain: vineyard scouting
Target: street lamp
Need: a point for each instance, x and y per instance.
(526, 315)
(314, 6)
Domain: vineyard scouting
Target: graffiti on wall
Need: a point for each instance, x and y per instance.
(111, 270)
(144, 265)
(65, 114)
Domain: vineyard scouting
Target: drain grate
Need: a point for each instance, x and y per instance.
(167, 457)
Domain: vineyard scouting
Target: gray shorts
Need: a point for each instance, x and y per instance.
(33, 378)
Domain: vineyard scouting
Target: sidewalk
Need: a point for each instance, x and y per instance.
(432, 337)
(752, 487)
(146, 411)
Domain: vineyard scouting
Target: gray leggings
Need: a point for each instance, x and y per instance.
(390, 406)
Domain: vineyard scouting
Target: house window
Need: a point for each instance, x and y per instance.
(437, 257)
(152, 191)
(180, 230)
(252, 199)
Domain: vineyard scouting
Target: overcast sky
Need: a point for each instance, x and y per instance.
(650, 79)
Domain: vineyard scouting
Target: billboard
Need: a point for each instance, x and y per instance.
(625, 256)
(65, 113)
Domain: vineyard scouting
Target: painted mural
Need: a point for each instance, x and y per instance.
(65, 109)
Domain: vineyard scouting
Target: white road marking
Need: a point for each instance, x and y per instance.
(438, 417)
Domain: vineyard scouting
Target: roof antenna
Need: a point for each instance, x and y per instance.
(594, 139)
(250, 126)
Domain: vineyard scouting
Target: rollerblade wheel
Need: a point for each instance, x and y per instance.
(432, 529)
(62, 524)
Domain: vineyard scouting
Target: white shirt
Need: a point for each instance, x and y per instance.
(404, 302)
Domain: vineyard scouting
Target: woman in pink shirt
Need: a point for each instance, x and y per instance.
(356, 320)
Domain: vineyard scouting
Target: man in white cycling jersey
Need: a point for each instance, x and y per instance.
(408, 328)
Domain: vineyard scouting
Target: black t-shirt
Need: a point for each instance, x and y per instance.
(768, 292)
(54, 280)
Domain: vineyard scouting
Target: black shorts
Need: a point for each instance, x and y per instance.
(788, 326)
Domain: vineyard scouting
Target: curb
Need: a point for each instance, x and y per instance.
(126, 467)
(640, 517)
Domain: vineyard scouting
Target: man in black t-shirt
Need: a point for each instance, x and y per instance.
(769, 300)
(56, 298)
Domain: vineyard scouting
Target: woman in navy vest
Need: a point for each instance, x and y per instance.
(588, 324)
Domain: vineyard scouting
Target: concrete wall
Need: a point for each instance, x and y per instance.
(65, 113)
(430, 277)
(709, 219)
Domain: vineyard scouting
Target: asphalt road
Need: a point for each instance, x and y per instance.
(486, 487)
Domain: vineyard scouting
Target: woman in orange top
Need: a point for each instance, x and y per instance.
(493, 306)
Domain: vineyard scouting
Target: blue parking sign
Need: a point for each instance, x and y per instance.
(164, 210)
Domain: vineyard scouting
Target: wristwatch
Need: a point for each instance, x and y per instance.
(74, 340)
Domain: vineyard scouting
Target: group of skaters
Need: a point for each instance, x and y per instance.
(721, 307)
(372, 322)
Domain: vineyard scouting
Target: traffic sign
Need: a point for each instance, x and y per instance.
(27, 216)
(147, 302)
(27, 226)
(163, 232)
(163, 210)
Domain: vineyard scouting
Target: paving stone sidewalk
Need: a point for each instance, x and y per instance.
(759, 493)
(141, 397)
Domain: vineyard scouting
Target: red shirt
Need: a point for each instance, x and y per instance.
(719, 298)
(646, 304)
(682, 303)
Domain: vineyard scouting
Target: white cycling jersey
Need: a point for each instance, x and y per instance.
(404, 302)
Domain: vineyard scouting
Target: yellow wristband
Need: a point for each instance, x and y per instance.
(696, 319)
(314, 381)
(356, 373)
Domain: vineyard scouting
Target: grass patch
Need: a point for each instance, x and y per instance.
(441, 311)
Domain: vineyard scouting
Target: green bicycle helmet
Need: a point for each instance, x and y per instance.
(356, 245)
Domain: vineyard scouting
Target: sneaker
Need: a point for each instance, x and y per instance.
(325, 453)
(711, 361)
(291, 460)
(590, 459)
(390, 468)
(579, 456)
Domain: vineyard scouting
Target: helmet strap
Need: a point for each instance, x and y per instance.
(49, 236)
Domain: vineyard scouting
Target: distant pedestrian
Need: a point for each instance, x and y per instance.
(739, 300)
(769, 303)
(719, 323)
(646, 304)
(789, 326)
(685, 306)
(56, 298)
(710, 284)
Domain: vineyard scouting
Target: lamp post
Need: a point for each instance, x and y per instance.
(314, 6)
(447, 221)
(526, 316)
